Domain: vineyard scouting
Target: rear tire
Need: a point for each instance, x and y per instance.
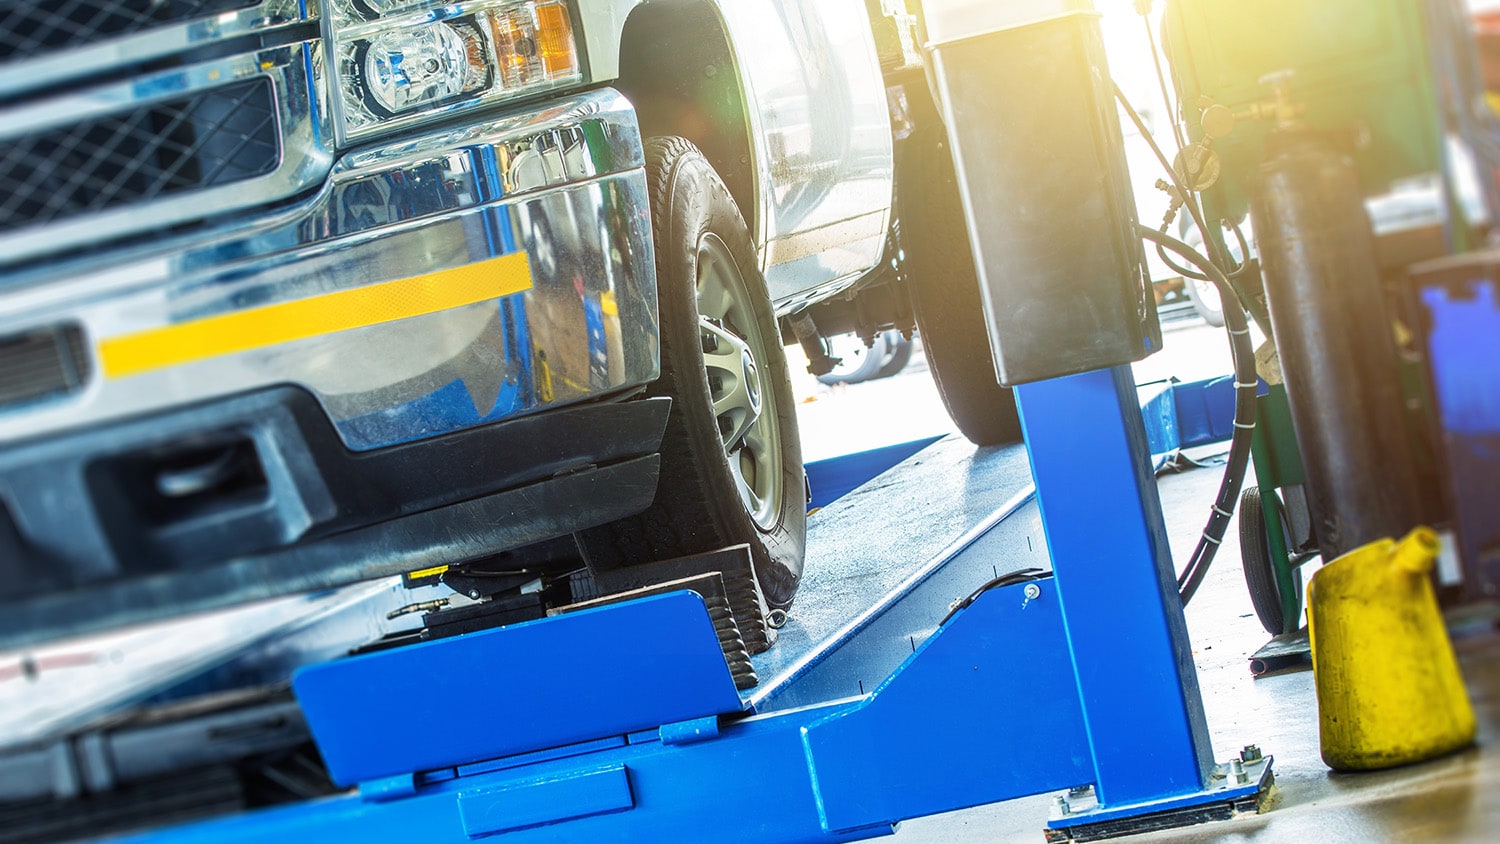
(898, 354)
(945, 293)
(1206, 301)
(887, 356)
(731, 461)
(857, 362)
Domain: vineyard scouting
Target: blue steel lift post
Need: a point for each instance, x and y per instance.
(1117, 587)
(1115, 580)
(572, 731)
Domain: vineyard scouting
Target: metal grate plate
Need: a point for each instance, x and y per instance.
(212, 138)
(42, 364)
(33, 27)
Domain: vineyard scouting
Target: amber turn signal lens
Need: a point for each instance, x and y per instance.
(555, 40)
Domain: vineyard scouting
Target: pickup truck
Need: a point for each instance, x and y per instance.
(295, 293)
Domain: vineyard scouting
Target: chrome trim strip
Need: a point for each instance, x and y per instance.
(497, 148)
(353, 29)
(85, 104)
(565, 183)
(67, 64)
(306, 147)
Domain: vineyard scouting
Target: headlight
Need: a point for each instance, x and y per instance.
(432, 63)
(401, 60)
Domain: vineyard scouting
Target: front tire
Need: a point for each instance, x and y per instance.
(731, 469)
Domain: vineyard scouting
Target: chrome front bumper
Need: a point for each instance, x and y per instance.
(390, 375)
(374, 294)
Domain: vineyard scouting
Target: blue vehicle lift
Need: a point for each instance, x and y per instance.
(622, 722)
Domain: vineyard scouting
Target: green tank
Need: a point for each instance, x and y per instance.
(1359, 71)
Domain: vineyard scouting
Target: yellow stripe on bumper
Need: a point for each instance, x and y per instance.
(158, 348)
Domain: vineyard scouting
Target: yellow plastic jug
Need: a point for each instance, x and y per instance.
(1389, 689)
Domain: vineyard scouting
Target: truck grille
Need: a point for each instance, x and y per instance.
(45, 363)
(32, 27)
(213, 138)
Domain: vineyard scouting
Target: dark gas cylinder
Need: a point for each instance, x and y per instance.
(1336, 342)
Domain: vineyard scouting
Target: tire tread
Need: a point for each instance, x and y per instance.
(693, 512)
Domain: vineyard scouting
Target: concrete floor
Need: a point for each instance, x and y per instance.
(1456, 798)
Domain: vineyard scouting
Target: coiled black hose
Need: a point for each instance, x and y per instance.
(1245, 384)
(1244, 417)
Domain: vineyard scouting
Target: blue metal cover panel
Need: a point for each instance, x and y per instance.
(692, 793)
(544, 800)
(1205, 411)
(587, 675)
(1463, 316)
(894, 755)
(1159, 412)
(990, 713)
(1188, 415)
(1466, 379)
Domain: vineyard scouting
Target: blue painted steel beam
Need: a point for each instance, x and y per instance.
(1128, 640)
(886, 564)
(980, 713)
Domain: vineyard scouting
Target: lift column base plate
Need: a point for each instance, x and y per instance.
(1223, 800)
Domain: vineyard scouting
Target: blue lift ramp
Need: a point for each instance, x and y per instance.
(620, 723)
(839, 772)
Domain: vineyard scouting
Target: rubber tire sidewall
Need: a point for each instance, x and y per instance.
(697, 506)
(1255, 558)
(944, 287)
(900, 355)
(869, 367)
(1209, 315)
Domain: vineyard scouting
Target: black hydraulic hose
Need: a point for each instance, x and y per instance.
(1237, 272)
(1245, 386)
(1007, 579)
(1181, 270)
(1161, 76)
(1187, 196)
(1161, 253)
(1239, 235)
(1232, 293)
